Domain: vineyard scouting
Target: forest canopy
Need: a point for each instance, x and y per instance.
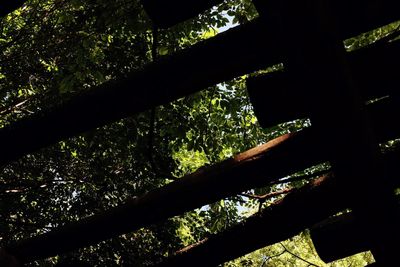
(53, 51)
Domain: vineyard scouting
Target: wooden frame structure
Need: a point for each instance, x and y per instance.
(344, 131)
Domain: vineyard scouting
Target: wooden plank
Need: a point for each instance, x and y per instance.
(260, 165)
(165, 14)
(318, 63)
(339, 237)
(283, 219)
(353, 17)
(343, 236)
(254, 168)
(350, 17)
(224, 57)
(277, 99)
(202, 65)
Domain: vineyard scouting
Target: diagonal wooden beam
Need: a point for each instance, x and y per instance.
(224, 57)
(353, 16)
(297, 211)
(254, 168)
(283, 219)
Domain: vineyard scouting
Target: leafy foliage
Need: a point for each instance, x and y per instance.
(54, 49)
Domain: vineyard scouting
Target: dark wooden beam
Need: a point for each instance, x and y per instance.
(224, 57)
(343, 236)
(277, 99)
(351, 17)
(318, 63)
(8, 6)
(283, 219)
(260, 166)
(339, 237)
(165, 14)
(254, 168)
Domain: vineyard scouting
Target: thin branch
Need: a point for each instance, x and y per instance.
(298, 257)
(271, 257)
(269, 195)
(301, 177)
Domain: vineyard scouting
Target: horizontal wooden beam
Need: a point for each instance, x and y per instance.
(277, 99)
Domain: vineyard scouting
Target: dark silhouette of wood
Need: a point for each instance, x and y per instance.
(7, 260)
(257, 232)
(342, 236)
(283, 219)
(165, 14)
(254, 168)
(350, 17)
(277, 99)
(224, 57)
(8, 6)
(353, 17)
(339, 237)
(318, 64)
